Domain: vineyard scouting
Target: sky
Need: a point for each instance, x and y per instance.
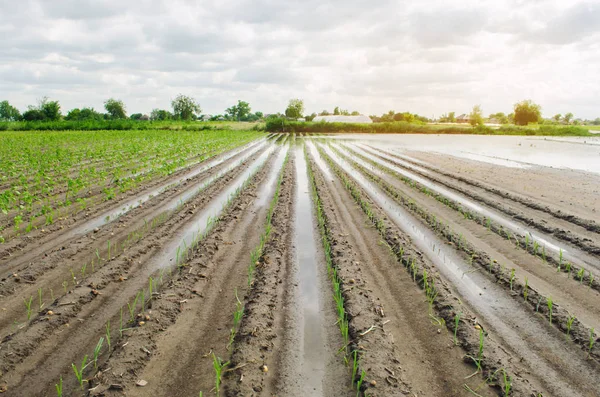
(428, 57)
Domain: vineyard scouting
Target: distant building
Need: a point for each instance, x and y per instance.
(344, 119)
(463, 118)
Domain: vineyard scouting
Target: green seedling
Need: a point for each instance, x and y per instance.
(560, 258)
(79, 371)
(544, 253)
(569, 325)
(568, 269)
(121, 324)
(97, 351)
(512, 278)
(52, 294)
(550, 304)
(507, 383)
(591, 279)
(28, 307)
(40, 303)
(580, 275)
(360, 382)
(237, 318)
(73, 278)
(65, 284)
(132, 307)
(98, 255)
(59, 388)
(354, 365)
(536, 245)
(456, 322)
(83, 267)
(108, 334)
(109, 256)
(218, 365)
(477, 360)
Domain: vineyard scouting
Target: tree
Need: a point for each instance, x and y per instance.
(336, 111)
(239, 112)
(49, 109)
(160, 114)
(185, 107)
(136, 116)
(527, 112)
(324, 113)
(83, 114)
(9, 112)
(295, 109)
(567, 118)
(452, 117)
(557, 117)
(355, 113)
(476, 116)
(115, 108)
(311, 117)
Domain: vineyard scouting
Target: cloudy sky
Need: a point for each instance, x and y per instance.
(427, 56)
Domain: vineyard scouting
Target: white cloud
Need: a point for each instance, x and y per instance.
(429, 56)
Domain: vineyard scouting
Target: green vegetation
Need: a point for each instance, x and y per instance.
(49, 174)
(403, 127)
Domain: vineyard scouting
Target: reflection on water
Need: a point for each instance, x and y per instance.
(508, 151)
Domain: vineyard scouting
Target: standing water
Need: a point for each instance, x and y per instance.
(312, 340)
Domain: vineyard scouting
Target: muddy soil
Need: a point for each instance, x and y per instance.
(570, 191)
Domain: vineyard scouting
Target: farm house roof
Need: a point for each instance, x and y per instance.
(344, 119)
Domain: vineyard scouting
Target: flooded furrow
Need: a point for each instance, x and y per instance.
(312, 343)
(568, 253)
(560, 368)
(185, 239)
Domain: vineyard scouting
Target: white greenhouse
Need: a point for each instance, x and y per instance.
(344, 119)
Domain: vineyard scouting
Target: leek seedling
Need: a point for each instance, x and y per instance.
(73, 278)
(79, 372)
(569, 325)
(218, 365)
(65, 284)
(580, 275)
(28, 307)
(97, 351)
(550, 303)
(109, 257)
(544, 253)
(507, 383)
(41, 304)
(59, 388)
(108, 334)
(456, 322)
(568, 269)
(83, 267)
(354, 365)
(560, 258)
(591, 279)
(360, 382)
(479, 358)
(512, 278)
(132, 307)
(98, 255)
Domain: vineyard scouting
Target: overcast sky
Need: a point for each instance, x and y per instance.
(427, 56)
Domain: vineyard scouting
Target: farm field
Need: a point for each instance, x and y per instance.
(234, 263)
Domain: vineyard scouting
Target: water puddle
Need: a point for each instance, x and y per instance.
(266, 191)
(184, 239)
(316, 156)
(539, 345)
(313, 344)
(569, 254)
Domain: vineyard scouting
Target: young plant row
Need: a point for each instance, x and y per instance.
(145, 296)
(525, 242)
(441, 309)
(584, 223)
(55, 184)
(350, 349)
(582, 335)
(255, 258)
